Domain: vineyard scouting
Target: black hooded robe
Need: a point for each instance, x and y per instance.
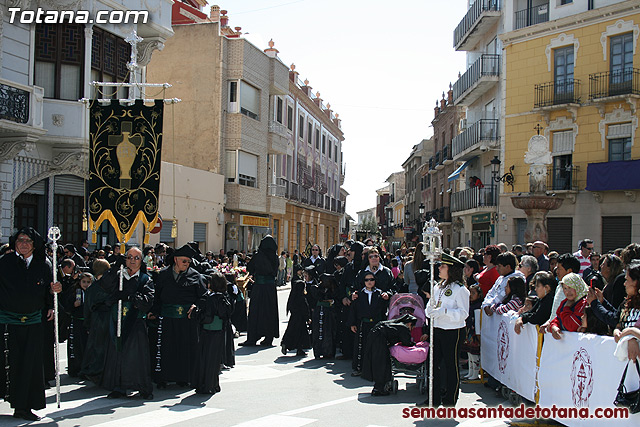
(97, 319)
(127, 364)
(24, 295)
(263, 304)
(296, 337)
(177, 334)
(324, 322)
(376, 366)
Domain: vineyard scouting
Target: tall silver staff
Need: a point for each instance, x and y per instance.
(119, 327)
(432, 249)
(54, 236)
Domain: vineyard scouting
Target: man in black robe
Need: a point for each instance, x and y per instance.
(25, 291)
(263, 303)
(315, 260)
(377, 358)
(177, 289)
(127, 360)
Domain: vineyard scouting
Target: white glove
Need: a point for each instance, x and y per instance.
(434, 313)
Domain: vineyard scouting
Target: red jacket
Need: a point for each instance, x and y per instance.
(569, 318)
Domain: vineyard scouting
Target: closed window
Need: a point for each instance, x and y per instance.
(563, 74)
(109, 57)
(621, 64)
(279, 110)
(290, 118)
(59, 60)
(199, 232)
(250, 101)
(317, 138)
(230, 169)
(247, 169)
(324, 144)
(619, 149)
(309, 132)
(616, 232)
(301, 126)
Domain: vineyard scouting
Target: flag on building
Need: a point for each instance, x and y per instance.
(125, 143)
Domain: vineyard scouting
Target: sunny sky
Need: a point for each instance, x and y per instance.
(381, 65)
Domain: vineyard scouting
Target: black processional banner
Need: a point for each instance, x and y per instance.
(124, 170)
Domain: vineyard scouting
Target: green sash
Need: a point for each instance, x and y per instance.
(11, 318)
(216, 325)
(175, 311)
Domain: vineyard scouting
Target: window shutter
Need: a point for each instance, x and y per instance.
(622, 130)
(560, 231)
(69, 185)
(231, 166)
(247, 164)
(562, 143)
(616, 232)
(199, 231)
(165, 233)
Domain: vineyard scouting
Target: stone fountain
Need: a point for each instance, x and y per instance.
(537, 204)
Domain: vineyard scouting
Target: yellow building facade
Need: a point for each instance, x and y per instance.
(576, 80)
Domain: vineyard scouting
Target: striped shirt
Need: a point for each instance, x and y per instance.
(584, 262)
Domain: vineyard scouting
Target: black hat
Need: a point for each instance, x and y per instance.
(311, 270)
(407, 318)
(185, 250)
(451, 260)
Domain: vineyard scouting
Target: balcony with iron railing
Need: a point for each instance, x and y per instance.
(531, 16)
(444, 214)
(447, 156)
(294, 191)
(277, 190)
(557, 93)
(473, 198)
(22, 109)
(614, 84)
(477, 80)
(481, 16)
(563, 178)
(480, 135)
(438, 161)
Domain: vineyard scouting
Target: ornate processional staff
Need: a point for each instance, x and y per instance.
(54, 236)
(432, 249)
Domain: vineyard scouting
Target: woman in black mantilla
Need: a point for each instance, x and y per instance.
(25, 291)
(263, 304)
(324, 317)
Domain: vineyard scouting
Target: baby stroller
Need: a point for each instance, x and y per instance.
(409, 362)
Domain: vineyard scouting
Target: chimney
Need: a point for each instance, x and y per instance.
(306, 88)
(450, 95)
(328, 110)
(436, 110)
(271, 51)
(443, 102)
(224, 19)
(238, 33)
(214, 14)
(337, 120)
(293, 74)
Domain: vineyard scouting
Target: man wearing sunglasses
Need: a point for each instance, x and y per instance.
(384, 278)
(127, 364)
(583, 254)
(315, 259)
(177, 289)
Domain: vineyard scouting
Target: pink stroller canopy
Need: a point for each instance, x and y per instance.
(412, 301)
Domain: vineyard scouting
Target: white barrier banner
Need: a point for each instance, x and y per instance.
(580, 371)
(508, 357)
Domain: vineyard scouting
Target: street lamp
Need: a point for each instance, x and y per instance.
(507, 178)
(421, 209)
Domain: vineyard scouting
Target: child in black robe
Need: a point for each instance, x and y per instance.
(296, 337)
(73, 303)
(213, 309)
(368, 307)
(324, 317)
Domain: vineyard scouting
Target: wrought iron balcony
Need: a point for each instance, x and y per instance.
(14, 104)
(293, 191)
(447, 156)
(481, 16)
(304, 195)
(482, 132)
(532, 16)
(477, 79)
(563, 178)
(614, 83)
(557, 93)
(473, 198)
(444, 214)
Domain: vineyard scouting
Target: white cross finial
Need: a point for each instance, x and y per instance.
(133, 39)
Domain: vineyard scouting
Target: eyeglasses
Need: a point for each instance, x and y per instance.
(28, 241)
(136, 258)
(315, 249)
(589, 248)
(374, 256)
(370, 280)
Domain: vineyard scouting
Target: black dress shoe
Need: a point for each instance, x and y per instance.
(116, 395)
(301, 353)
(266, 343)
(146, 396)
(25, 414)
(283, 349)
(248, 344)
(377, 392)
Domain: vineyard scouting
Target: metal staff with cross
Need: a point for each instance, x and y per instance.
(54, 236)
(432, 249)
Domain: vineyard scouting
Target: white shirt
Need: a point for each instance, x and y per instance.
(127, 276)
(584, 262)
(498, 291)
(27, 260)
(378, 269)
(369, 294)
(448, 307)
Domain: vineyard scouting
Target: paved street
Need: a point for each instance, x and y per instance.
(263, 389)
